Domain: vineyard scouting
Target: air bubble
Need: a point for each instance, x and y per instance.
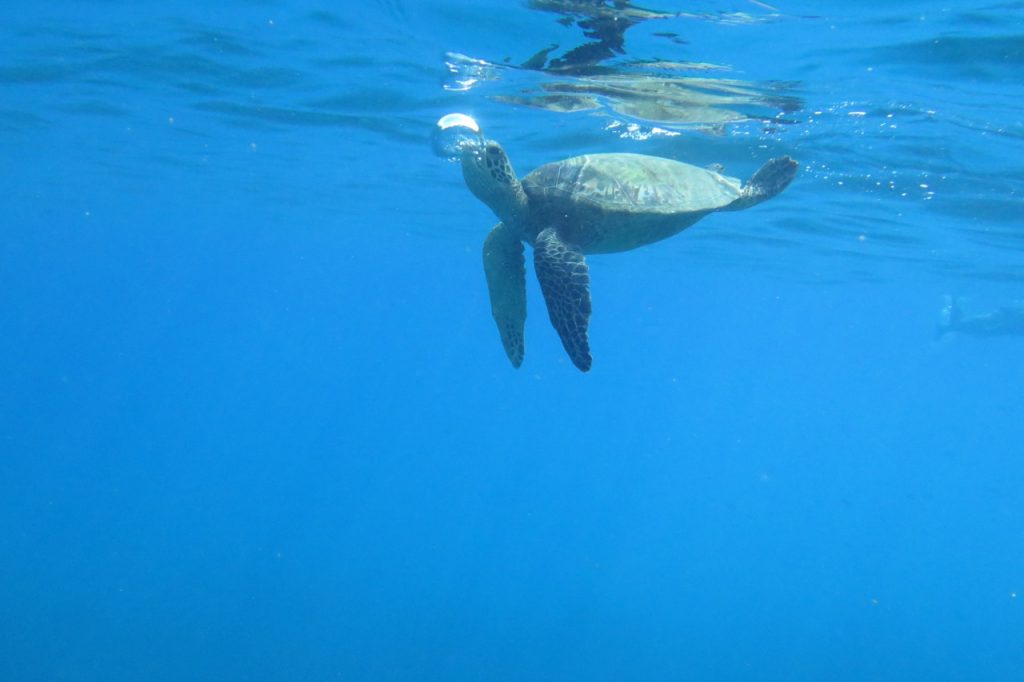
(453, 133)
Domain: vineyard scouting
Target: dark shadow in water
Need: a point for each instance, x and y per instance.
(603, 23)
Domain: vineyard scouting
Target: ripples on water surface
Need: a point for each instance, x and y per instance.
(907, 119)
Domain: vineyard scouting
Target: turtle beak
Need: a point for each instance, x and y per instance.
(473, 153)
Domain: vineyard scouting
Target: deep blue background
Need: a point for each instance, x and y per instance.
(255, 423)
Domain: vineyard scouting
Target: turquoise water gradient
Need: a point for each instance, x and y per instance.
(256, 423)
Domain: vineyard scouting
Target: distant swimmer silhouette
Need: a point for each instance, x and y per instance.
(1007, 320)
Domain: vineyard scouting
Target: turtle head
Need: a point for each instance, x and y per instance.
(489, 175)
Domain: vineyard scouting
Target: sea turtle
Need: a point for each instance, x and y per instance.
(597, 203)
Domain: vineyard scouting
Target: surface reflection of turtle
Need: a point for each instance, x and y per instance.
(599, 203)
(680, 101)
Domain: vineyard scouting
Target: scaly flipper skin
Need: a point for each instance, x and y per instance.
(505, 267)
(565, 280)
(768, 181)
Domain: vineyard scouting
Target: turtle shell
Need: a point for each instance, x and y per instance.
(630, 184)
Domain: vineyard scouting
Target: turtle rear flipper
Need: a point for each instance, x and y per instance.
(769, 180)
(505, 268)
(565, 280)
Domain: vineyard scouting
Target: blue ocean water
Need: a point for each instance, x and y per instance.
(256, 422)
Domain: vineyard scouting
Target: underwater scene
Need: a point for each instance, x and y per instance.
(504, 340)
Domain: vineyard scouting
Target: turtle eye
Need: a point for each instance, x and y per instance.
(493, 158)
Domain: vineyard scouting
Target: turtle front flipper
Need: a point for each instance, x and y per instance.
(565, 281)
(505, 268)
